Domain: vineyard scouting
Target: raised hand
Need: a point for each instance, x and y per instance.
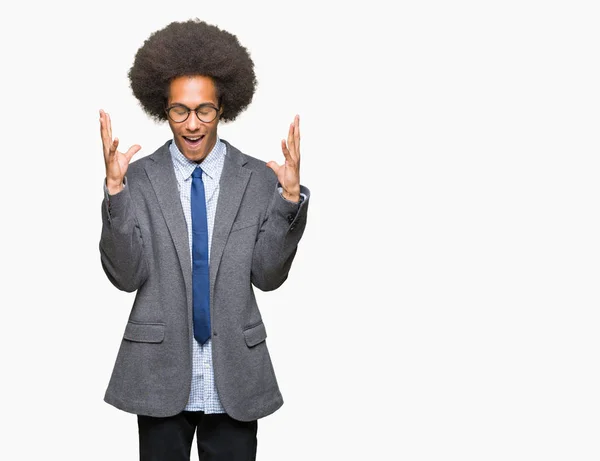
(288, 174)
(116, 162)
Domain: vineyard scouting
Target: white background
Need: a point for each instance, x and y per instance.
(444, 300)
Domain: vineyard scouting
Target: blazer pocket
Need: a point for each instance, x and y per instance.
(145, 332)
(243, 225)
(255, 334)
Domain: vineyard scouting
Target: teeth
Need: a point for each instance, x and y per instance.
(194, 139)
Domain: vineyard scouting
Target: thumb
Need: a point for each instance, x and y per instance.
(132, 151)
(274, 166)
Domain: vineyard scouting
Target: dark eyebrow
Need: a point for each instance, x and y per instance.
(188, 108)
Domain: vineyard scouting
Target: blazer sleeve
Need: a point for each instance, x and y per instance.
(121, 244)
(278, 240)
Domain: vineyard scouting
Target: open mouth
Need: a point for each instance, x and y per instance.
(193, 141)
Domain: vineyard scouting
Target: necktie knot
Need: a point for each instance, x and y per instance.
(197, 173)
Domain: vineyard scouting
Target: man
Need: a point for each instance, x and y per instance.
(193, 227)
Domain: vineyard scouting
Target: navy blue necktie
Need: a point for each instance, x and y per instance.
(200, 275)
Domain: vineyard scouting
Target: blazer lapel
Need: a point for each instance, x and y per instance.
(162, 177)
(234, 180)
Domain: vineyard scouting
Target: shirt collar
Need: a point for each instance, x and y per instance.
(209, 164)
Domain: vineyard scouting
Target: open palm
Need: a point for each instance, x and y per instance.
(288, 174)
(116, 162)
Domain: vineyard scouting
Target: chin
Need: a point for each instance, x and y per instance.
(195, 156)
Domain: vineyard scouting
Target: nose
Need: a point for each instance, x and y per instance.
(193, 123)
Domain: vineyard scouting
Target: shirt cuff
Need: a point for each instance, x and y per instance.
(302, 196)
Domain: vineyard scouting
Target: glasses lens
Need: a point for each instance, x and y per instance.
(206, 113)
(178, 113)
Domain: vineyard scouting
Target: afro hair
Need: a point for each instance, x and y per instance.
(192, 48)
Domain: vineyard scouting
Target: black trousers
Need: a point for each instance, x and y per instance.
(219, 437)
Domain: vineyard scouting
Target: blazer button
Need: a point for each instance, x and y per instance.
(214, 333)
(291, 218)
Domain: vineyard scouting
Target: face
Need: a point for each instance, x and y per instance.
(194, 138)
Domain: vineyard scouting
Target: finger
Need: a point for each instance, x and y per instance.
(104, 133)
(297, 135)
(290, 139)
(274, 166)
(109, 125)
(286, 152)
(132, 151)
(113, 147)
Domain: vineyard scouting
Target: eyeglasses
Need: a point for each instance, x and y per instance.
(205, 112)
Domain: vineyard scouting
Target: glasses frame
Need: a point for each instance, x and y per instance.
(206, 104)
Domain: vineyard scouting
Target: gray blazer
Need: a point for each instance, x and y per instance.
(144, 247)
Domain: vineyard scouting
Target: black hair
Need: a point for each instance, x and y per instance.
(193, 48)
